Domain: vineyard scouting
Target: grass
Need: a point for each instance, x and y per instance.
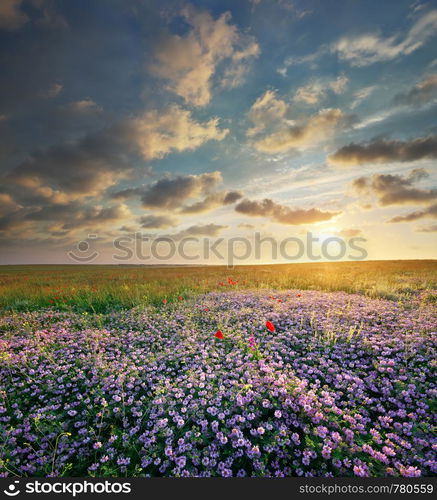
(106, 288)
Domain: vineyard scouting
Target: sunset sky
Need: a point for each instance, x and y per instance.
(217, 119)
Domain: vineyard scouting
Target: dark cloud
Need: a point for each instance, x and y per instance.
(386, 151)
(232, 197)
(425, 91)
(204, 230)
(12, 221)
(396, 189)
(71, 170)
(127, 193)
(429, 212)
(67, 179)
(157, 221)
(282, 213)
(172, 193)
(91, 164)
(212, 201)
(60, 219)
(209, 230)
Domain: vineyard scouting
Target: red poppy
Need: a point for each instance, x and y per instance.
(206, 309)
(180, 298)
(219, 334)
(270, 326)
(164, 301)
(299, 295)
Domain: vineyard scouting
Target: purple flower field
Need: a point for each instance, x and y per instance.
(343, 386)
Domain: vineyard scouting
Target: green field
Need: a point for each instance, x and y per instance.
(105, 288)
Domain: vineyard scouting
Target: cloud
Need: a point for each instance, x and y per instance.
(96, 217)
(127, 229)
(204, 230)
(172, 192)
(311, 93)
(338, 86)
(159, 133)
(370, 48)
(429, 212)
(212, 201)
(396, 189)
(210, 230)
(189, 62)
(84, 106)
(265, 110)
(71, 170)
(75, 215)
(282, 213)
(68, 178)
(7, 203)
(422, 93)
(61, 218)
(296, 60)
(157, 221)
(427, 229)
(386, 151)
(316, 129)
(11, 16)
(97, 161)
(52, 91)
(317, 89)
(366, 49)
(361, 95)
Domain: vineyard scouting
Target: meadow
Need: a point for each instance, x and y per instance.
(260, 371)
(105, 288)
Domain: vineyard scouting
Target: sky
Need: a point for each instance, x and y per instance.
(213, 121)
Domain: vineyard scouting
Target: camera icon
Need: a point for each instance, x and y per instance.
(12, 490)
(83, 251)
